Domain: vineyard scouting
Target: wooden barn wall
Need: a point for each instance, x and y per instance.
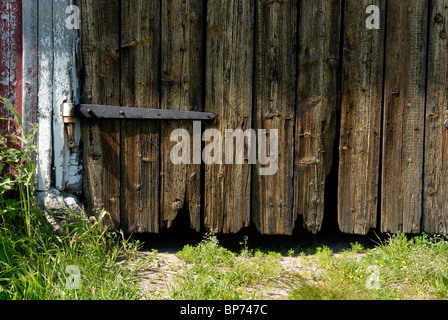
(302, 67)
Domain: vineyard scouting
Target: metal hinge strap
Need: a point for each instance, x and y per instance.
(94, 111)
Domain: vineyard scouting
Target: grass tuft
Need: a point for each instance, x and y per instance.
(36, 263)
(215, 273)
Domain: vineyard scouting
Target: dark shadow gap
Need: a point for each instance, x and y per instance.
(428, 44)
(381, 129)
(330, 221)
(203, 108)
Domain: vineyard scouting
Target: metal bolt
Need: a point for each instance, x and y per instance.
(446, 123)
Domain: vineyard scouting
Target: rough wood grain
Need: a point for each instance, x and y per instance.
(182, 87)
(30, 65)
(319, 30)
(275, 98)
(100, 30)
(229, 77)
(30, 72)
(45, 95)
(140, 141)
(404, 116)
(435, 201)
(360, 137)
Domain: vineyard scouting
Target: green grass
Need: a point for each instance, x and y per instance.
(35, 262)
(215, 273)
(399, 268)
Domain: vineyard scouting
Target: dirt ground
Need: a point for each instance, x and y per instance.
(155, 281)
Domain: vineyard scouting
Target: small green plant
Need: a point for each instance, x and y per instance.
(245, 252)
(17, 171)
(290, 253)
(441, 287)
(356, 247)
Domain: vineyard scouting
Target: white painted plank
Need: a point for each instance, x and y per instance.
(67, 173)
(45, 94)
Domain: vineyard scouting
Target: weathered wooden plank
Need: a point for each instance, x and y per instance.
(275, 98)
(435, 201)
(30, 72)
(100, 31)
(229, 78)
(319, 29)
(45, 95)
(360, 140)
(182, 86)
(140, 142)
(65, 171)
(30, 65)
(404, 116)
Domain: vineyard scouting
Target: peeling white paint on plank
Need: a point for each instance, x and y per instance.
(64, 75)
(61, 90)
(45, 95)
(58, 166)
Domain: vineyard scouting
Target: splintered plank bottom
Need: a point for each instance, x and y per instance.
(404, 116)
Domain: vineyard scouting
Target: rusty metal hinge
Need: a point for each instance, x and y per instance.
(69, 117)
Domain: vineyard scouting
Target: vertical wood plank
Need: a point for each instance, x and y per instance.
(404, 116)
(100, 29)
(319, 30)
(30, 74)
(63, 88)
(182, 85)
(45, 94)
(229, 78)
(30, 65)
(435, 201)
(360, 140)
(275, 85)
(140, 141)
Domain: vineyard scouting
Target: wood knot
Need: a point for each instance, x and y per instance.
(433, 116)
(95, 156)
(177, 205)
(169, 78)
(438, 18)
(333, 62)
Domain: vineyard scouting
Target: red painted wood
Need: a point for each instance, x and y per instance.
(10, 58)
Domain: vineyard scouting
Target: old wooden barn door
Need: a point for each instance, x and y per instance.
(277, 68)
(238, 59)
